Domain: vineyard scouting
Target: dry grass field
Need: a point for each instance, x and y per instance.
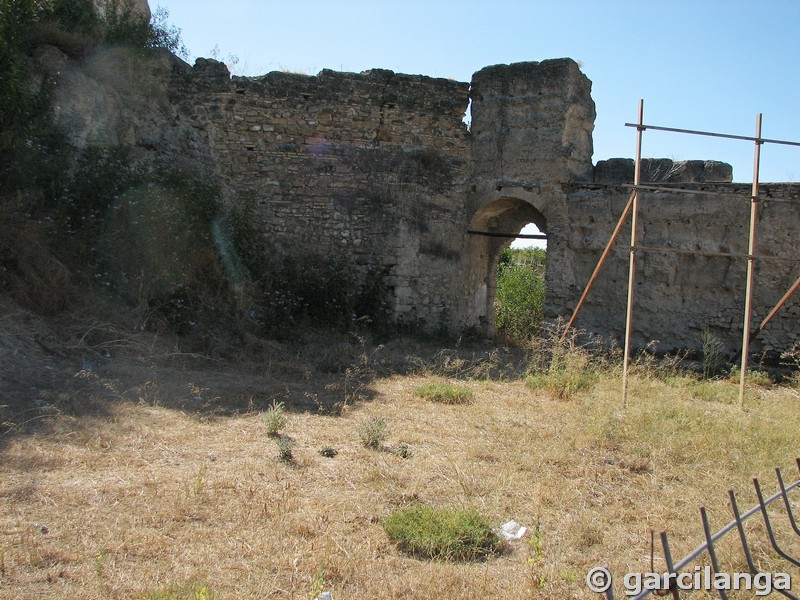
(149, 479)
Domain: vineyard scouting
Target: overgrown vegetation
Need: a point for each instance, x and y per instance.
(445, 393)
(290, 291)
(55, 206)
(442, 533)
(519, 300)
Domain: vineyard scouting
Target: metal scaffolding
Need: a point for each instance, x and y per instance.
(632, 209)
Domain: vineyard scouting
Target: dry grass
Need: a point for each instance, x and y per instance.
(145, 497)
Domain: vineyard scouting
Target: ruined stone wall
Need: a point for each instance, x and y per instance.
(379, 171)
(365, 166)
(378, 168)
(686, 282)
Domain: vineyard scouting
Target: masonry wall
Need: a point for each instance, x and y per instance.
(380, 169)
(366, 166)
(686, 282)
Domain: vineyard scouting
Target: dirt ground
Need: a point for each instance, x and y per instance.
(131, 469)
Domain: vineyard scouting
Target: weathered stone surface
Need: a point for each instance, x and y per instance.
(378, 168)
(534, 121)
(110, 98)
(663, 170)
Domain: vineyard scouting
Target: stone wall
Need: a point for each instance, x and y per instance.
(687, 280)
(380, 170)
(367, 166)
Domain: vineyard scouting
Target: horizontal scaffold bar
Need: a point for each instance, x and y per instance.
(522, 236)
(760, 140)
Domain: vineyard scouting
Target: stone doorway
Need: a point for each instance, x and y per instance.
(493, 228)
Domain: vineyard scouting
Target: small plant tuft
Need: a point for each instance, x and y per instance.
(442, 533)
(285, 448)
(275, 418)
(445, 393)
(713, 354)
(328, 451)
(188, 592)
(569, 372)
(402, 450)
(372, 432)
(754, 376)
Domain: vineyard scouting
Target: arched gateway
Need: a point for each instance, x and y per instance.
(379, 170)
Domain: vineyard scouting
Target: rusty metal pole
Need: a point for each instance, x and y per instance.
(778, 306)
(637, 174)
(751, 250)
(603, 257)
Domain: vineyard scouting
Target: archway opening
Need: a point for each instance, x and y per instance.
(494, 228)
(520, 286)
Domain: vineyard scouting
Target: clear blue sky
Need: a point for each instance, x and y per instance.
(698, 64)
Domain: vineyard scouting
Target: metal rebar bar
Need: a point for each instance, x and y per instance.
(758, 139)
(712, 553)
(742, 537)
(522, 236)
(670, 568)
(768, 525)
(786, 502)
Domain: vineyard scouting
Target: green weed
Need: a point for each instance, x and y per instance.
(713, 354)
(442, 533)
(445, 393)
(372, 432)
(275, 418)
(285, 448)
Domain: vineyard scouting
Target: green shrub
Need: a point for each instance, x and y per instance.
(285, 448)
(519, 299)
(275, 418)
(445, 393)
(442, 533)
(372, 432)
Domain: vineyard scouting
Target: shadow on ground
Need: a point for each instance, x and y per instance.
(82, 368)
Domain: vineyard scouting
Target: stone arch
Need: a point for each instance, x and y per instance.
(503, 214)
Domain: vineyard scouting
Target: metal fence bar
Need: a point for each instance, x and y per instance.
(786, 499)
(768, 525)
(738, 524)
(670, 566)
(712, 553)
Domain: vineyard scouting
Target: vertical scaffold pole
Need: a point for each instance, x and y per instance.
(637, 174)
(751, 248)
